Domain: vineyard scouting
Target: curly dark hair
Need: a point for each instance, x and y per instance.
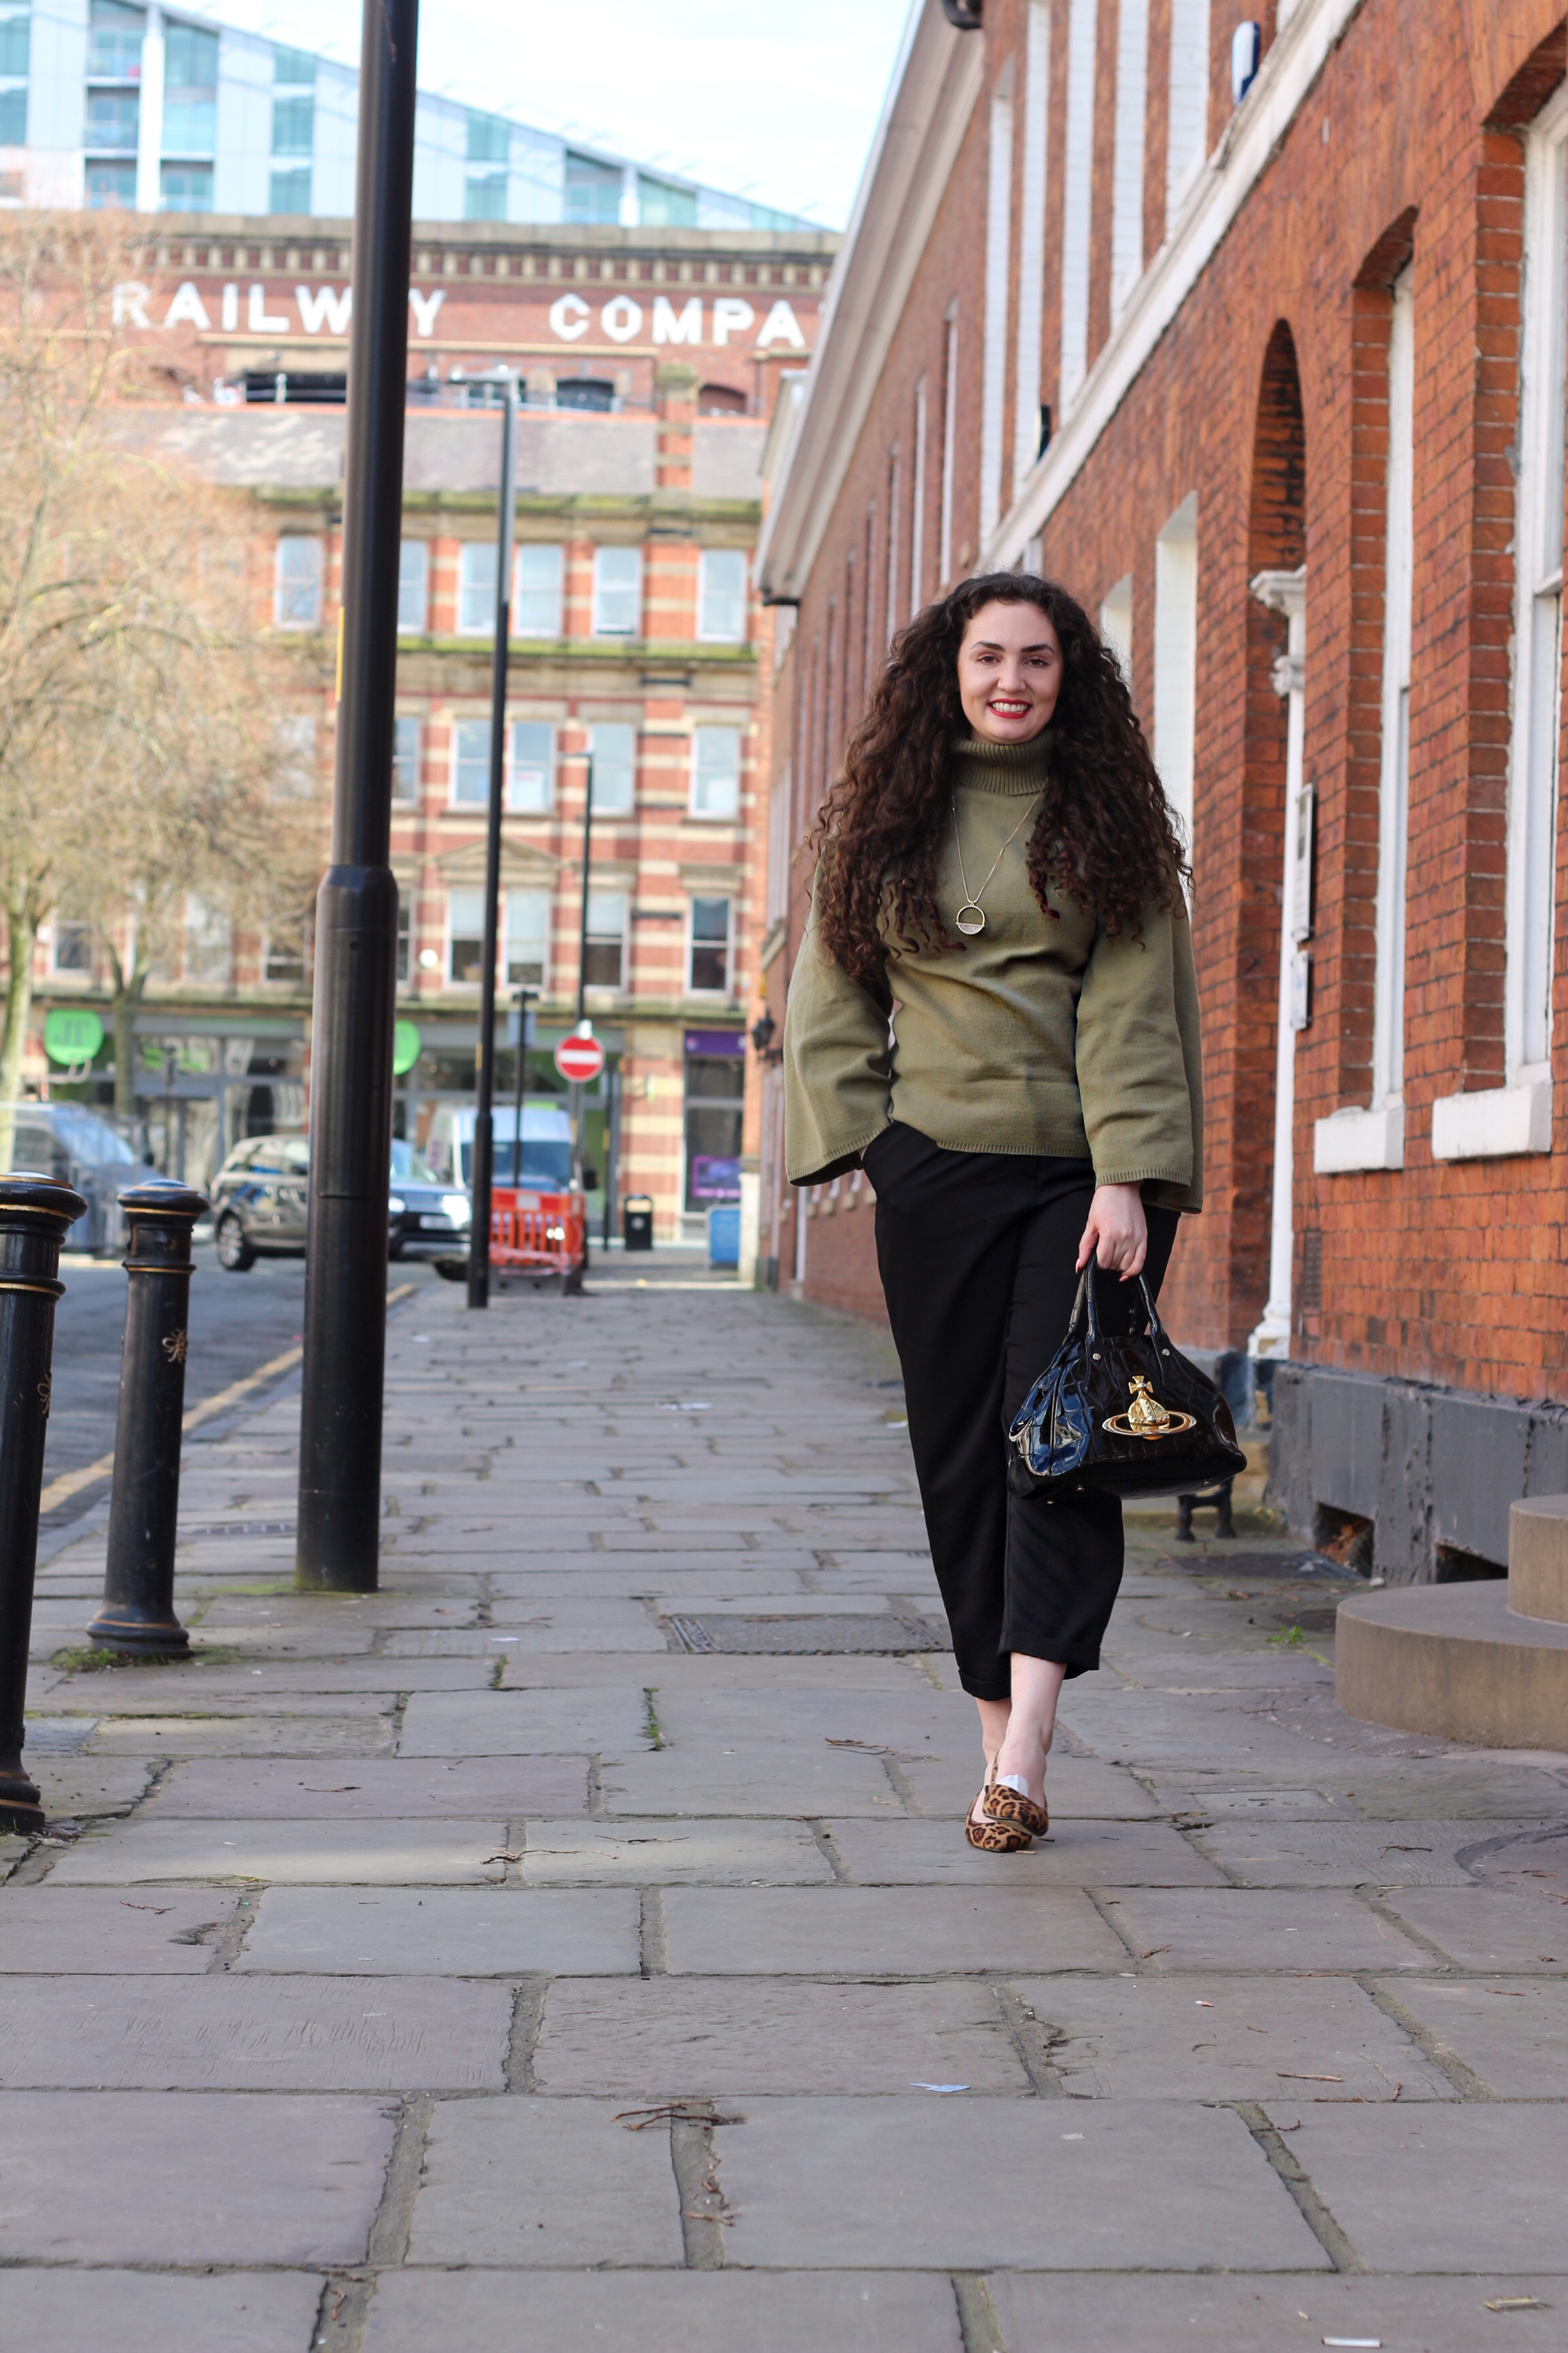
(1104, 834)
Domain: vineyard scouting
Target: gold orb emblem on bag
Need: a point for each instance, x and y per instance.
(1145, 1417)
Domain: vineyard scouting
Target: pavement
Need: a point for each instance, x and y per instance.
(575, 1943)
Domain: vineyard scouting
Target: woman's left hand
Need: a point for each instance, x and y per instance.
(1117, 1234)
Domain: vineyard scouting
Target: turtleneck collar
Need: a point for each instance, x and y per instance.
(1019, 769)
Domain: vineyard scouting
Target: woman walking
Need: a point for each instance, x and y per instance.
(995, 1012)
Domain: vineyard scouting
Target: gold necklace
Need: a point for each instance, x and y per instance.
(970, 916)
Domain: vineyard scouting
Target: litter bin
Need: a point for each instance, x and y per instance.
(724, 1236)
(637, 1221)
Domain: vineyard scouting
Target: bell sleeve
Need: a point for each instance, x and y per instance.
(1140, 1065)
(839, 1066)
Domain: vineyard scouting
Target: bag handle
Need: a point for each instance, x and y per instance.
(1085, 1298)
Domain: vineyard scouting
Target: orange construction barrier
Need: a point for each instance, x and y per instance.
(538, 1233)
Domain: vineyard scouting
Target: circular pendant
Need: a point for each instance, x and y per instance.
(970, 919)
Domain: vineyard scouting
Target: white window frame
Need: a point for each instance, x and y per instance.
(1083, 33)
(212, 926)
(998, 272)
(1374, 1139)
(409, 798)
(471, 895)
(602, 588)
(1187, 102)
(776, 881)
(948, 441)
(1127, 169)
(707, 564)
(514, 798)
(894, 485)
(516, 901)
(476, 560)
(529, 556)
(602, 807)
(74, 925)
(1116, 624)
(1032, 242)
(1176, 658)
(283, 587)
(1517, 1116)
(413, 587)
(474, 729)
(598, 933)
(725, 816)
(918, 507)
(727, 898)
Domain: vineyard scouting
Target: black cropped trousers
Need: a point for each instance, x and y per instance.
(976, 1252)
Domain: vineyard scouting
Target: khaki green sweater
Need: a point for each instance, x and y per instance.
(1037, 1037)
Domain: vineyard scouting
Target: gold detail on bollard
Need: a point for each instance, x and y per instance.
(1145, 1417)
(45, 1391)
(176, 1347)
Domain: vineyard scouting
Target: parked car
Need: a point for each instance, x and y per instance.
(66, 1140)
(261, 1198)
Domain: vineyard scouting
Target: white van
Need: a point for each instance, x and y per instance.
(545, 1159)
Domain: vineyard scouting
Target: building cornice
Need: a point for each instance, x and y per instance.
(1247, 146)
(936, 81)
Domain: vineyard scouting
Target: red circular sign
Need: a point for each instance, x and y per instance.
(580, 1059)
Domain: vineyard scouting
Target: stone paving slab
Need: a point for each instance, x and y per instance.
(1484, 1928)
(660, 2312)
(1190, 1794)
(748, 1778)
(669, 1852)
(1088, 2313)
(1454, 1788)
(417, 1854)
(97, 1930)
(801, 1672)
(1242, 2039)
(146, 2311)
(1075, 1787)
(457, 1932)
(1514, 2037)
(240, 1692)
(1346, 1854)
(971, 2183)
(189, 2177)
(274, 1790)
(633, 1581)
(632, 1633)
(1244, 1929)
(525, 1723)
(527, 2182)
(1075, 1854)
(73, 1788)
(294, 2033)
(362, 1734)
(882, 1931)
(1480, 2186)
(671, 2040)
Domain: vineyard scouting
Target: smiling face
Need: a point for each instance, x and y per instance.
(1009, 672)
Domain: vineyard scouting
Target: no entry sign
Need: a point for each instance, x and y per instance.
(580, 1059)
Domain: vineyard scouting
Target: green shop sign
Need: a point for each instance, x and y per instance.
(72, 1033)
(405, 1047)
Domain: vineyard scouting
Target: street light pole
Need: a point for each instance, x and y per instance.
(356, 910)
(582, 1027)
(485, 1054)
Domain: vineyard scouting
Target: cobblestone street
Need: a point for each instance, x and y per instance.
(575, 1945)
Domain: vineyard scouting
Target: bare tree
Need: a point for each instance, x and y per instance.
(142, 726)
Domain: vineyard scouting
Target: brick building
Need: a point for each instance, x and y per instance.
(1251, 330)
(636, 642)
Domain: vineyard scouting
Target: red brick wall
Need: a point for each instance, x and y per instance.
(1408, 144)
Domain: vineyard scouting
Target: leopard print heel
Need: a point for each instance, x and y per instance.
(1003, 1805)
(989, 1836)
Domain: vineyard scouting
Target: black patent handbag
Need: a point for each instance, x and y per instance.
(1120, 1417)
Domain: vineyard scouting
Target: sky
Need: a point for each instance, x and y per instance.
(774, 102)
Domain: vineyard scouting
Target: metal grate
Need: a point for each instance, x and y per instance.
(885, 1631)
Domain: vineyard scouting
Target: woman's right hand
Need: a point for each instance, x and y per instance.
(1117, 1234)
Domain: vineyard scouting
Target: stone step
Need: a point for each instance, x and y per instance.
(1538, 1558)
(1455, 1662)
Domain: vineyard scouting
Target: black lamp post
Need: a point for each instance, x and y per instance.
(485, 1056)
(356, 911)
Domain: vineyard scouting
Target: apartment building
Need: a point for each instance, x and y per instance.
(637, 645)
(107, 104)
(1248, 323)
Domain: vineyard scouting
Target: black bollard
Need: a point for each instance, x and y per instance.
(138, 1614)
(35, 1213)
